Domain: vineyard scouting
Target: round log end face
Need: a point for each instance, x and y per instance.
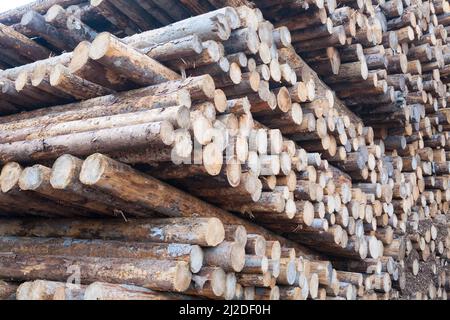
(39, 73)
(264, 53)
(220, 100)
(57, 74)
(200, 126)
(215, 233)
(212, 159)
(218, 279)
(285, 36)
(314, 286)
(182, 277)
(31, 178)
(237, 257)
(254, 80)
(275, 70)
(230, 286)
(24, 291)
(92, 169)
(233, 171)
(291, 272)
(275, 252)
(10, 176)
(235, 73)
(196, 259)
(308, 213)
(53, 12)
(21, 80)
(240, 235)
(80, 56)
(290, 208)
(208, 86)
(297, 113)
(100, 46)
(284, 99)
(64, 171)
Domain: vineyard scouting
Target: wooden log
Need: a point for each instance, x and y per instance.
(228, 255)
(28, 48)
(35, 24)
(106, 139)
(110, 292)
(213, 25)
(114, 54)
(192, 254)
(152, 274)
(202, 231)
(61, 78)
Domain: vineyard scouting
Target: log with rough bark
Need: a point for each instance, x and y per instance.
(110, 291)
(206, 232)
(192, 254)
(152, 274)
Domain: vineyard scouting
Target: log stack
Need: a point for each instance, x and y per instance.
(310, 148)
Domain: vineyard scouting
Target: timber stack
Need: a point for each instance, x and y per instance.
(186, 150)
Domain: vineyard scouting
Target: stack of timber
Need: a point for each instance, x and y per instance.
(386, 61)
(320, 195)
(48, 27)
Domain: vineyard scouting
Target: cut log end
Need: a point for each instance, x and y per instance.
(80, 56)
(10, 176)
(100, 46)
(64, 170)
(196, 259)
(31, 177)
(57, 75)
(93, 169)
(182, 277)
(215, 232)
(213, 159)
(233, 171)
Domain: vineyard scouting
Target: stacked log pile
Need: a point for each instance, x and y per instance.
(385, 61)
(318, 194)
(48, 27)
